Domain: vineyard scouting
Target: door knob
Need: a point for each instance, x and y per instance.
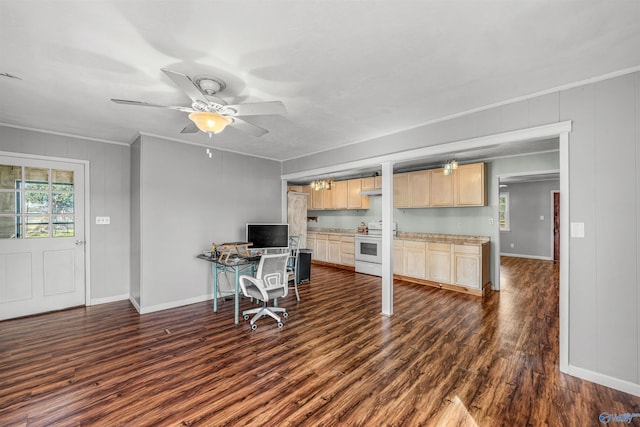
(80, 242)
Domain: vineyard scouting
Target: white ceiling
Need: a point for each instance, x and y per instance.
(347, 71)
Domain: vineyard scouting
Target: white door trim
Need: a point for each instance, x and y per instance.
(87, 213)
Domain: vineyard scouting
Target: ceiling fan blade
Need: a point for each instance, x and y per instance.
(185, 83)
(190, 128)
(247, 127)
(149, 104)
(256, 108)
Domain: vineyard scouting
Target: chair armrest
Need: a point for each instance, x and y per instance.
(254, 281)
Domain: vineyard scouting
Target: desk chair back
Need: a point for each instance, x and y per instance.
(270, 282)
(294, 259)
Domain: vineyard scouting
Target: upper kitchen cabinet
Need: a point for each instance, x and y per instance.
(372, 183)
(470, 185)
(441, 188)
(419, 189)
(356, 201)
(341, 194)
(401, 190)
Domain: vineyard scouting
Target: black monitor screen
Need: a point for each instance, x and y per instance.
(268, 235)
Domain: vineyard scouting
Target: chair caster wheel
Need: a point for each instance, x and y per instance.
(280, 324)
(245, 317)
(285, 314)
(254, 327)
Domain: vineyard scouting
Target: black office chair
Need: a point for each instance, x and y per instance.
(270, 282)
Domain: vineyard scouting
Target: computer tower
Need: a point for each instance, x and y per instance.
(304, 266)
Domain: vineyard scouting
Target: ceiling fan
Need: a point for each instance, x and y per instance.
(208, 112)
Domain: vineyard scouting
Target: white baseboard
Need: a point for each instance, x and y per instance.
(545, 258)
(134, 303)
(97, 301)
(173, 304)
(605, 380)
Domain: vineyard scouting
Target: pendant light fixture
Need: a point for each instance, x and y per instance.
(449, 167)
(321, 184)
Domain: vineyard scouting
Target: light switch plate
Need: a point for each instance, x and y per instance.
(577, 229)
(103, 220)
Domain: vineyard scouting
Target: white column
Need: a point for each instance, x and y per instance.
(387, 238)
(283, 202)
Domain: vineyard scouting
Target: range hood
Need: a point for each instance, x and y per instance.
(377, 192)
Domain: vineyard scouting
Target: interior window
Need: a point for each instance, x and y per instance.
(503, 211)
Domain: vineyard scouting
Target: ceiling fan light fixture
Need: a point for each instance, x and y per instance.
(209, 122)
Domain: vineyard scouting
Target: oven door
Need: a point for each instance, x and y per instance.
(369, 249)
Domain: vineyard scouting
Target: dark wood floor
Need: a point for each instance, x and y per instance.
(442, 359)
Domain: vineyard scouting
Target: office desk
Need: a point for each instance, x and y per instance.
(241, 266)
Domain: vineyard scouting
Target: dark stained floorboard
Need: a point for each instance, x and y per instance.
(443, 358)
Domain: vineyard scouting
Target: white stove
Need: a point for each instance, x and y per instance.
(369, 249)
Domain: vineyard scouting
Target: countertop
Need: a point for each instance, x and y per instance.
(455, 239)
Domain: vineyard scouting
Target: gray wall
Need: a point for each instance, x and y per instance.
(188, 201)
(109, 193)
(530, 235)
(604, 297)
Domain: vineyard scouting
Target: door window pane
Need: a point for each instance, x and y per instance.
(63, 226)
(37, 227)
(10, 227)
(36, 202)
(9, 203)
(62, 180)
(62, 203)
(36, 178)
(10, 177)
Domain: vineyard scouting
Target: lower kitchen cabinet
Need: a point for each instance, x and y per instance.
(398, 257)
(439, 262)
(333, 249)
(347, 249)
(414, 259)
(458, 267)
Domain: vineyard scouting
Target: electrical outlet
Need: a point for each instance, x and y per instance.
(541, 217)
(491, 221)
(513, 245)
(103, 220)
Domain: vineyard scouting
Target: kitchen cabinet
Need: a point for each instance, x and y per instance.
(441, 188)
(470, 185)
(401, 190)
(320, 248)
(439, 262)
(414, 255)
(327, 199)
(347, 249)
(419, 188)
(316, 199)
(466, 266)
(462, 267)
(341, 194)
(372, 183)
(333, 249)
(311, 244)
(398, 257)
(356, 201)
